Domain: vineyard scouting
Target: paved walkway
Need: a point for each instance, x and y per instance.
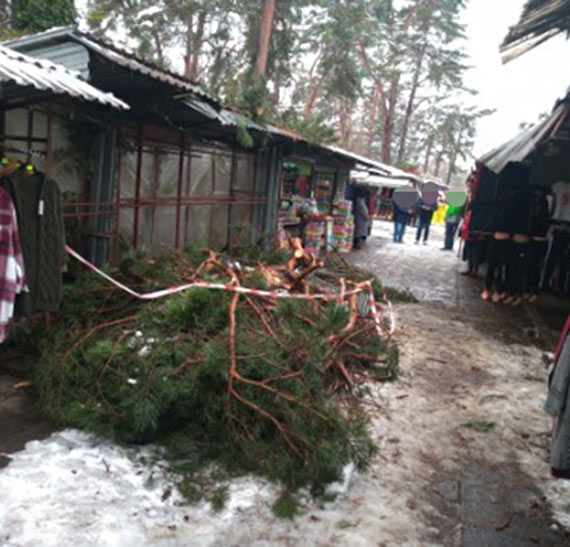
(470, 436)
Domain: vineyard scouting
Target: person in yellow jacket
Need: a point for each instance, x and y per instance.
(439, 215)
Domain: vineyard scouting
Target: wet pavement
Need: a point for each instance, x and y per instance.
(476, 373)
(435, 276)
(18, 420)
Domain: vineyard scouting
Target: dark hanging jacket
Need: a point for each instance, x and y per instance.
(40, 220)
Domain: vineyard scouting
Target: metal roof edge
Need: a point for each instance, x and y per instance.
(24, 70)
(39, 37)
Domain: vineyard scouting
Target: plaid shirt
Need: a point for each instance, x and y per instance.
(12, 279)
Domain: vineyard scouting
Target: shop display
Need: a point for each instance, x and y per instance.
(343, 226)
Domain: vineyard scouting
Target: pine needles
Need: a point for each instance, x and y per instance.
(258, 385)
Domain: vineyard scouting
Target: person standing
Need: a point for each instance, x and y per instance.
(426, 208)
(361, 221)
(404, 201)
(401, 217)
(456, 201)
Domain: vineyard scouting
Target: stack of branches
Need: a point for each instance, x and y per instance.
(257, 383)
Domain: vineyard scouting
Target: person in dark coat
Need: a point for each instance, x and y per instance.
(404, 201)
(426, 208)
(361, 221)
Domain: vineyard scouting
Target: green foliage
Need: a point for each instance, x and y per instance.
(39, 15)
(480, 426)
(286, 506)
(219, 498)
(160, 372)
(316, 128)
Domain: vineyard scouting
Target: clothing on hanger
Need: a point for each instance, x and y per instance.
(38, 205)
(12, 271)
(561, 191)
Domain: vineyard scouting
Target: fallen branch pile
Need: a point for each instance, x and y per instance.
(258, 383)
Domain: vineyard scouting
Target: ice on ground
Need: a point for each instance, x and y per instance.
(76, 489)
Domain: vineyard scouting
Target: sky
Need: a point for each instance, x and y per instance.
(520, 90)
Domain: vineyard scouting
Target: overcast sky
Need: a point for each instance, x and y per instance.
(519, 90)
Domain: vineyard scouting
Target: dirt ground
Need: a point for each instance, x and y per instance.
(463, 439)
(463, 434)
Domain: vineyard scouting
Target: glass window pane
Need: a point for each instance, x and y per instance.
(201, 175)
(164, 229)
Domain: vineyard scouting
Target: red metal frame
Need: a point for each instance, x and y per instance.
(185, 150)
(138, 188)
(179, 191)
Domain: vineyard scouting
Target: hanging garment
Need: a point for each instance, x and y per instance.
(517, 266)
(537, 255)
(557, 405)
(12, 279)
(561, 192)
(40, 219)
(539, 219)
(499, 254)
(559, 244)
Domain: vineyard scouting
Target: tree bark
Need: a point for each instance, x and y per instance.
(345, 124)
(197, 42)
(379, 87)
(440, 155)
(429, 148)
(189, 45)
(454, 155)
(410, 106)
(373, 119)
(158, 45)
(388, 123)
(264, 38)
(313, 94)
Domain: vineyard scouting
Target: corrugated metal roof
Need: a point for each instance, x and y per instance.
(132, 62)
(115, 54)
(525, 143)
(44, 75)
(540, 21)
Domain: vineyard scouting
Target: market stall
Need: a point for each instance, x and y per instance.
(521, 207)
(313, 206)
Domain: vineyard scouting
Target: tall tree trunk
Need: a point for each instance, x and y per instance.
(264, 38)
(454, 155)
(313, 93)
(189, 45)
(197, 42)
(158, 45)
(440, 154)
(345, 124)
(429, 149)
(410, 105)
(373, 119)
(388, 125)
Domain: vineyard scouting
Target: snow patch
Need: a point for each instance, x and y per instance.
(76, 489)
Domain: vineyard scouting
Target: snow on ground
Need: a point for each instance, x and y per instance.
(438, 478)
(75, 489)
